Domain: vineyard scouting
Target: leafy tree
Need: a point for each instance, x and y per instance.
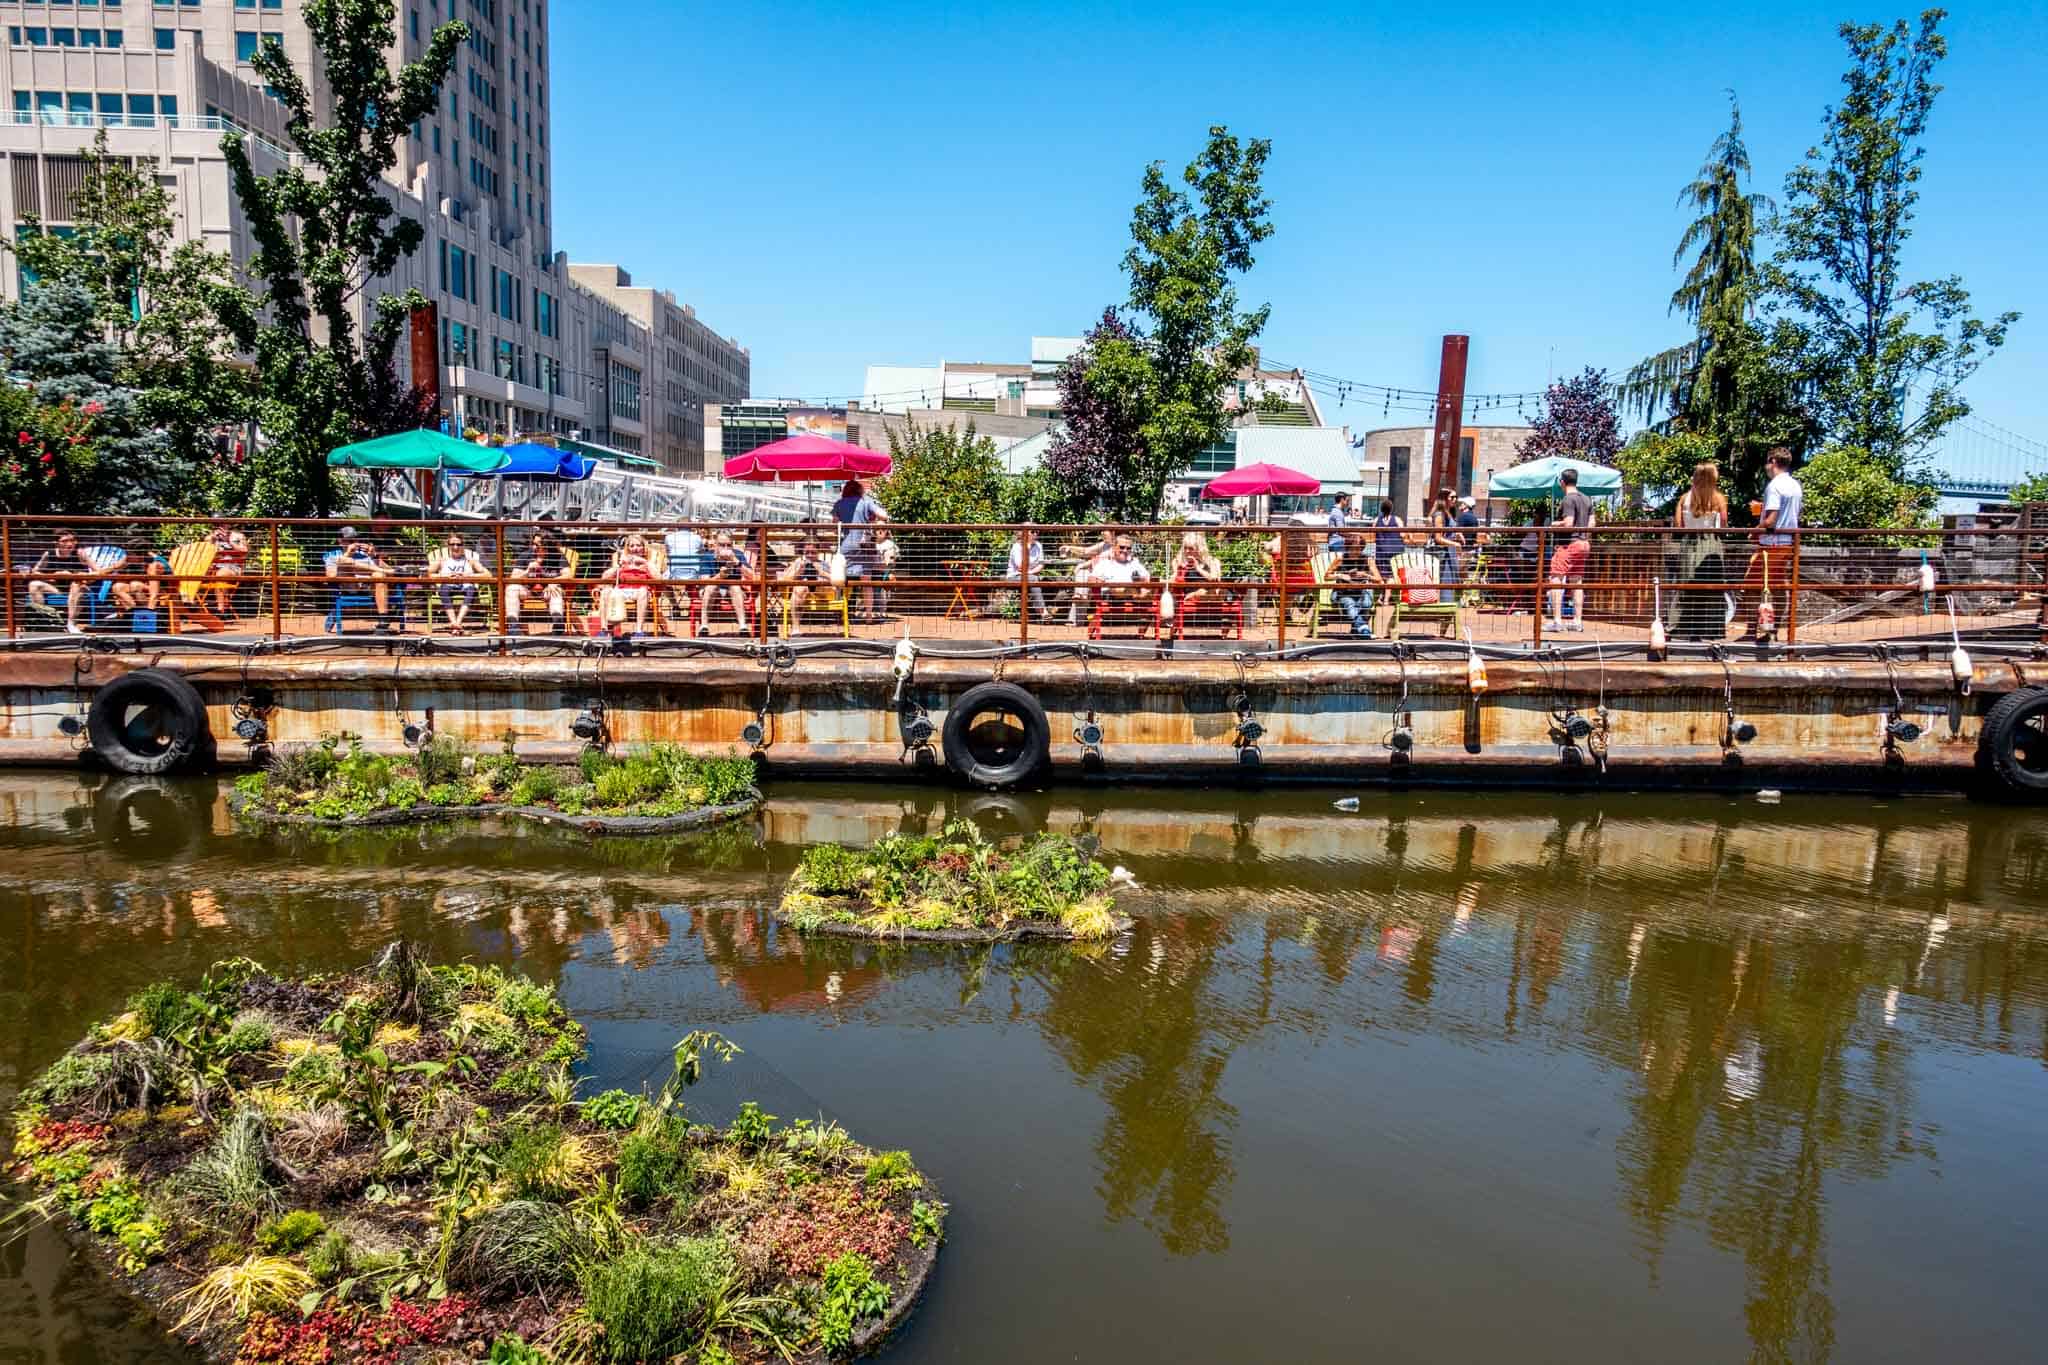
(1656, 468)
(152, 299)
(941, 474)
(54, 341)
(1578, 420)
(326, 230)
(2034, 488)
(1871, 343)
(1727, 383)
(1844, 486)
(1149, 396)
(1099, 449)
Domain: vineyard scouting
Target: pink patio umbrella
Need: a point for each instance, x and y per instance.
(1262, 480)
(806, 459)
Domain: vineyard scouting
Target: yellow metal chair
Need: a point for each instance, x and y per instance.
(825, 598)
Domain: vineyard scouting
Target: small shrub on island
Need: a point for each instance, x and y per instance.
(333, 1170)
(333, 781)
(957, 885)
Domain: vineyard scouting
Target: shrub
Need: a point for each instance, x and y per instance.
(440, 760)
(831, 870)
(612, 1109)
(646, 1300)
(531, 1004)
(512, 1349)
(331, 1257)
(851, 1293)
(250, 1032)
(71, 1077)
(627, 784)
(542, 1162)
(750, 1127)
(232, 1175)
(654, 1164)
(239, 1288)
(520, 1245)
(592, 763)
(536, 786)
(316, 1071)
(161, 1009)
(290, 1232)
(891, 1169)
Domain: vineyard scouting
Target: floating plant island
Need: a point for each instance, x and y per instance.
(660, 789)
(394, 1165)
(956, 888)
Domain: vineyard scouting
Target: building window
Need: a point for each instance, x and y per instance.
(166, 39)
(245, 46)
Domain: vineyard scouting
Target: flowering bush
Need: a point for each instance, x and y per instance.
(46, 466)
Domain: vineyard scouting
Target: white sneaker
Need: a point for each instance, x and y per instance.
(1579, 626)
(73, 628)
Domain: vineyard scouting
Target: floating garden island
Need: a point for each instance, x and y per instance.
(958, 888)
(394, 1165)
(660, 789)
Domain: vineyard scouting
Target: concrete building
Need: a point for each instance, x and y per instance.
(1031, 388)
(1396, 465)
(519, 347)
(688, 365)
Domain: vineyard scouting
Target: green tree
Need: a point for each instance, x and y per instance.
(1146, 398)
(941, 474)
(153, 301)
(325, 231)
(1726, 383)
(2033, 488)
(1656, 469)
(1844, 486)
(1882, 356)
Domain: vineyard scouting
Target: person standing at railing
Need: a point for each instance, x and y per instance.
(1340, 517)
(1699, 557)
(1388, 544)
(1568, 563)
(1772, 563)
(855, 511)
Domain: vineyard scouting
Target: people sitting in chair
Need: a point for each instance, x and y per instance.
(1192, 567)
(1117, 577)
(357, 558)
(729, 565)
(67, 556)
(1026, 549)
(809, 572)
(544, 563)
(1359, 566)
(456, 564)
(230, 561)
(1086, 555)
(631, 576)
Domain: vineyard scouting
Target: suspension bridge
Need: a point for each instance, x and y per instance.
(1980, 459)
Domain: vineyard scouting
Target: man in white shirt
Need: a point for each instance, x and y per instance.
(1121, 571)
(1772, 567)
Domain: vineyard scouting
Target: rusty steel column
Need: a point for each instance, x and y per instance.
(1280, 640)
(276, 588)
(1024, 590)
(1450, 416)
(761, 571)
(1542, 580)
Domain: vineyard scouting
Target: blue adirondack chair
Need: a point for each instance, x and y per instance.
(345, 601)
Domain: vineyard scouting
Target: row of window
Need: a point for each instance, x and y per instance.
(83, 108)
(35, 35)
(82, 4)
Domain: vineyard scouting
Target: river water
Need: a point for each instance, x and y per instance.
(1452, 1077)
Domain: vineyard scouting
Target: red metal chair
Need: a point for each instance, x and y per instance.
(1216, 601)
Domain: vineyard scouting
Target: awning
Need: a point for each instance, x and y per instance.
(417, 450)
(532, 460)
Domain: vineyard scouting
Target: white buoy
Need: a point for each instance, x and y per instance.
(1346, 803)
(1657, 640)
(1770, 796)
(1959, 666)
(1475, 667)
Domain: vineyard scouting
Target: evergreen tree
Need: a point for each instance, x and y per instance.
(326, 231)
(1872, 345)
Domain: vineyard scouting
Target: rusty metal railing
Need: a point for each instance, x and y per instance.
(1228, 589)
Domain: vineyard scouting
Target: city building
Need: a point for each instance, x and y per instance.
(517, 347)
(1031, 388)
(1396, 464)
(687, 366)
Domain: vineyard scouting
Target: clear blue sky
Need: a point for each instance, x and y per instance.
(899, 184)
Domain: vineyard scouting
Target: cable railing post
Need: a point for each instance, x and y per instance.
(276, 587)
(761, 577)
(1286, 591)
(504, 624)
(7, 568)
(1542, 582)
(1024, 589)
(1792, 595)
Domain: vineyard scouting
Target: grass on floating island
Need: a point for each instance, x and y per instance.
(395, 1165)
(337, 780)
(956, 885)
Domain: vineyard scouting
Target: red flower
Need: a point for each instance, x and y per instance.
(21, 438)
(94, 409)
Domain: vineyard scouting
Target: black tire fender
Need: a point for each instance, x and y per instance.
(2013, 749)
(149, 723)
(1031, 757)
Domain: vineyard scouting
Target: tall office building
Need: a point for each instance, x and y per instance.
(165, 80)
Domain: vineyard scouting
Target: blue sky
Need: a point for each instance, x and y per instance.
(840, 186)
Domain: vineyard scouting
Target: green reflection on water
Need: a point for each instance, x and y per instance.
(1759, 1002)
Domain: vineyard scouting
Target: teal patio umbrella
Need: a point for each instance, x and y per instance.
(1539, 479)
(419, 450)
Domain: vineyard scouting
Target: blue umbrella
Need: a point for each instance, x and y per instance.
(532, 460)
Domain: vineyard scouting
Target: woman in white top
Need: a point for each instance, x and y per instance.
(1699, 559)
(459, 563)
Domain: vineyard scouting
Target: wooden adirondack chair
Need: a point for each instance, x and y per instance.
(1419, 574)
(189, 566)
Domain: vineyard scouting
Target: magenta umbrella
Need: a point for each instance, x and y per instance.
(1262, 480)
(806, 459)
